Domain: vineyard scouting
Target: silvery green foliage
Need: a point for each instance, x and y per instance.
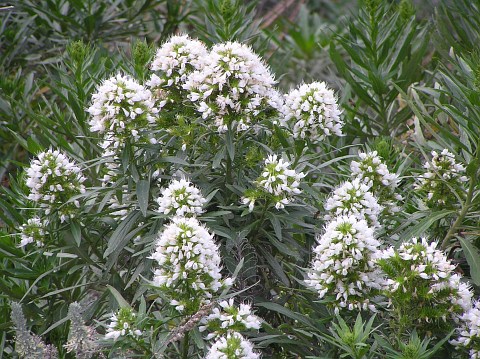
(28, 345)
(371, 170)
(343, 266)
(311, 111)
(277, 182)
(189, 268)
(82, 339)
(443, 182)
(354, 198)
(181, 198)
(234, 87)
(229, 317)
(53, 180)
(122, 323)
(232, 346)
(173, 62)
(33, 231)
(469, 332)
(417, 266)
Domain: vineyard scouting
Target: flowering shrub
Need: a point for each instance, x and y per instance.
(203, 192)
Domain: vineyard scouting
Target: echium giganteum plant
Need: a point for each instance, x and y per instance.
(423, 290)
(343, 268)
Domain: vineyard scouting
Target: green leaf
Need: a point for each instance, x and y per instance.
(76, 232)
(143, 190)
(118, 237)
(118, 297)
(472, 255)
(287, 312)
(421, 227)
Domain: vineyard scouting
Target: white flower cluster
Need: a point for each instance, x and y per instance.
(174, 61)
(354, 198)
(444, 177)
(312, 112)
(418, 265)
(469, 332)
(189, 263)
(374, 173)
(53, 179)
(343, 265)
(33, 231)
(181, 198)
(278, 181)
(121, 108)
(233, 88)
(122, 324)
(232, 346)
(229, 317)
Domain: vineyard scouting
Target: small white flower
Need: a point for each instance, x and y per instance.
(354, 198)
(371, 170)
(234, 88)
(53, 179)
(443, 181)
(229, 317)
(419, 267)
(122, 324)
(232, 346)
(343, 265)
(181, 198)
(312, 112)
(278, 180)
(188, 263)
(469, 331)
(33, 231)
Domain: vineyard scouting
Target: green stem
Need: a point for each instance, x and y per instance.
(466, 206)
(185, 346)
